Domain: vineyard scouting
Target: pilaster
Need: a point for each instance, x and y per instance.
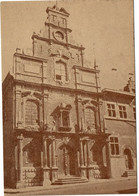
(52, 159)
(20, 182)
(46, 169)
(45, 109)
(18, 108)
(109, 175)
(82, 165)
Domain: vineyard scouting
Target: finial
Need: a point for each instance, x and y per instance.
(57, 5)
(95, 64)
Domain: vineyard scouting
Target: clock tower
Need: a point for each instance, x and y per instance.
(57, 24)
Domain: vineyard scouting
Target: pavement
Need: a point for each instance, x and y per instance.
(95, 185)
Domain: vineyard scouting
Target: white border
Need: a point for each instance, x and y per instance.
(136, 28)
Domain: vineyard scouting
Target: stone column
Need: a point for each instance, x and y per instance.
(20, 182)
(81, 153)
(85, 153)
(88, 160)
(46, 169)
(78, 158)
(88, 153)
(97, 120)
(45, 155)
(54, 170)
(83, 113)
(50, 155)
(109, 175)
(45, 110)
(80, 114)
(44, 71)
(82, 167)
(54, 156)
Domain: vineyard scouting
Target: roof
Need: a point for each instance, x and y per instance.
(118, 92)
(58, 10)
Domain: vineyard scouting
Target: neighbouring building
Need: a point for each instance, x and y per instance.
(58, 126)
(120, 122)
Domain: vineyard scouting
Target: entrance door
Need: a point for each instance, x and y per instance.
(128, 159)
(66, 161)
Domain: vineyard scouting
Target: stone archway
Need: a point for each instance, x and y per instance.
(128, 159)
(66, 160)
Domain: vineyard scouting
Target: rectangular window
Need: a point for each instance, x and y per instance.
(54, 18)
(63, 22)
(60, 72)
(65, 118)
(90, 117)
(31, 113)
(134, 112)
(114, 145)
(122, 111)
(111, 110)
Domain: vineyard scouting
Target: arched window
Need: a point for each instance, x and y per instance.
(60, 71)
(31, 113)
(90, 118)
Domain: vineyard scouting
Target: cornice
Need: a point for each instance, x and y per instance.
(86, 69)
(117, 92)
(31, 57)
(58, 27)
(57, 42)
(49, 86)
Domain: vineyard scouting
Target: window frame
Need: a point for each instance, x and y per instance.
(64, 77)
(59, 118)
(114, 145)
(134, 112)
(106, 110)
(94, 112)
(124, 111)
(38, 113)
(111, 110)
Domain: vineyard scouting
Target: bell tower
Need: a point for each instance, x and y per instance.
(57, 22)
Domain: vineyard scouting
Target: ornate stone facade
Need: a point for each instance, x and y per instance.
(54, 124)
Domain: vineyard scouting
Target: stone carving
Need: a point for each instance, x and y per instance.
(66, 140)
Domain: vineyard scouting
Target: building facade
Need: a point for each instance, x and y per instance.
(120, 122)
(54, 120)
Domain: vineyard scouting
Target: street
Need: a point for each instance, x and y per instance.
(109, 187)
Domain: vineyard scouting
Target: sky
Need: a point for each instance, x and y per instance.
(103, 27)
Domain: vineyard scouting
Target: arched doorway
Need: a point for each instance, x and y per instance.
(128, 159)
(66, 161)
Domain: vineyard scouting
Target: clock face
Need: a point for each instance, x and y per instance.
(58, 36)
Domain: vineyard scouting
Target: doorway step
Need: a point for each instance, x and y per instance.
(70, 180)
(129, 173)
